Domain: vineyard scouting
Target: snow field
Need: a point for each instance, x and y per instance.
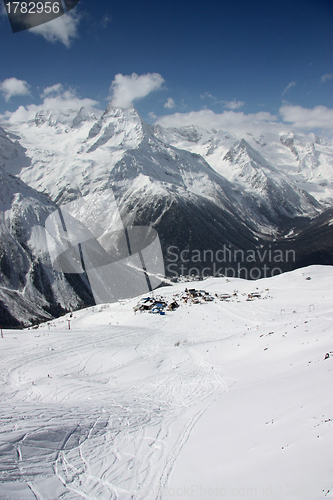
(224, 399)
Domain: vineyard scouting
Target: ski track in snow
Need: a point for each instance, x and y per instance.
(103, 411)
(125, 448)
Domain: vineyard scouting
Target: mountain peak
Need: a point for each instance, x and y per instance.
(120, 127)
(83, 116)
(242, 153)
(72, 117)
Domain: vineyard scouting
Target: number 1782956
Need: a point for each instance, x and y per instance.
(33, 7)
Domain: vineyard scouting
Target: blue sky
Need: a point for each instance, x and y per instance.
(245, 58)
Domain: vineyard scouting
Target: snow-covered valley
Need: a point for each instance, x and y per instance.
(225, 399)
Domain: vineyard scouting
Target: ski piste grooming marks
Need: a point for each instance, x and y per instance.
(220, 396)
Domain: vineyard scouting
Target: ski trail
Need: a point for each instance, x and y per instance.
(142, 440)
(108, 426)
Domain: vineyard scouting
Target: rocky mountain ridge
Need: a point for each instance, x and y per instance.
(201, 190)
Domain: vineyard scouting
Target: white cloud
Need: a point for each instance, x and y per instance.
(206, 95)
(233, 104)
(230, 121)
(62, 29)
(326, 78)
(128, 88)
(105, 21)
(12, 87)
(227, 104)
(152, 115)
(288, 87)
(66, 100)
(294, 118)
(170, 103)
(54, 89)
(319, 117)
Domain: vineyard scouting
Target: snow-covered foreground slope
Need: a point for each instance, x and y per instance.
(215, 400)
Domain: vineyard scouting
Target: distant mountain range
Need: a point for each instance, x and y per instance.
(217, 200)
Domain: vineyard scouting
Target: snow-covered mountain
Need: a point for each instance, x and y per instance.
(303, 160)
(30, 290)
(201, 190)
(81, 154)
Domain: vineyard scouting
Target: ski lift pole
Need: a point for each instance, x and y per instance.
(69, 324)
(1, 332)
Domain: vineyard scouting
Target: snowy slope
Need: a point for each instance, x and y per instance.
(222, 399)
(12, 154)
(249, 169)
(71, 157)
(81, 156)
(304, 160)
(30, 290)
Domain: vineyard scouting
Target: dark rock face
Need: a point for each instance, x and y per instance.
(30, 290)
(201, 239)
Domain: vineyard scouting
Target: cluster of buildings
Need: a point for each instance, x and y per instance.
(159, 305)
